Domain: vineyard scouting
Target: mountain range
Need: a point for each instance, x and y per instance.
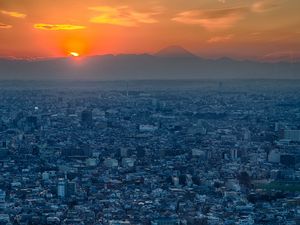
(173, 62)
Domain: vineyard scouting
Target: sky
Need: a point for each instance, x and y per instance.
(242, 29)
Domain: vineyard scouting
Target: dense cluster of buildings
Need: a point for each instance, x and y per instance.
(224, 155)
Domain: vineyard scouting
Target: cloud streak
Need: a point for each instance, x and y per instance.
(217, 19)
(221, 19)
(57, 27)
(122, 16)
(14, 14)
(5, 26)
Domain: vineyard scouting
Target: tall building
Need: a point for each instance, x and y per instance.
(2, 199)
(70, 189)
(247, 135)
(65, 188)
(123, 152)
(61, 188)
(234, 154)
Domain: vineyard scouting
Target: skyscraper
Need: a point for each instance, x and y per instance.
(65, 188)
(61, 188)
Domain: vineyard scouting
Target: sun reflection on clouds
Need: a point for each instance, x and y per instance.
(13, 14)
(43, 26)
(122, 16)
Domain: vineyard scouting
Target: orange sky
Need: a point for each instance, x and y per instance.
(255, 29)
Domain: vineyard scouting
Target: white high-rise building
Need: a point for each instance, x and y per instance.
(45, 175)
(61, 188)
(2, 199)
(2, 196)
(274, 156)
(234, 154)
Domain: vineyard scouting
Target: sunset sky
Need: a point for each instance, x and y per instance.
(252, 29)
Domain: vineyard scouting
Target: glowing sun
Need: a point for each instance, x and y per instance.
(74, 54)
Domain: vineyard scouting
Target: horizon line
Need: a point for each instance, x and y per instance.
(244, 59)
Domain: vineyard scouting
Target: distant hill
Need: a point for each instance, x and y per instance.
(175, 52)
(170, 63)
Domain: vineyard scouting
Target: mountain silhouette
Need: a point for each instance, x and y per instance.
(169, 63)
(175, 51)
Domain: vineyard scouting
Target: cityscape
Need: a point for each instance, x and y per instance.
(150, 152)
(154, 112)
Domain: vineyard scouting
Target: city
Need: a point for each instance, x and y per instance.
(150, 152)
(158, 112)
